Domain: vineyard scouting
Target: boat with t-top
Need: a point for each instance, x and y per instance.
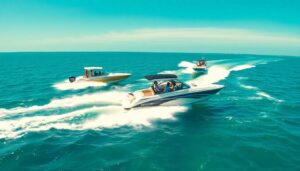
(97, 74)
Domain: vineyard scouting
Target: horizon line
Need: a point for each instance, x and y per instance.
(150, 52)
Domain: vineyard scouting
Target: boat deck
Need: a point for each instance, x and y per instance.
(146, 92)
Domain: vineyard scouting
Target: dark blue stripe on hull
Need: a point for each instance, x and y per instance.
(197, 95)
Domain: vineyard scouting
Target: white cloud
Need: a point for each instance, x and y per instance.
(177, 39)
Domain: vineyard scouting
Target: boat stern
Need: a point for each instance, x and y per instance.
(129, 101)
(200, 69)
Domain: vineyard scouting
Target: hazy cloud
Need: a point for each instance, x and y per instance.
(172, 40)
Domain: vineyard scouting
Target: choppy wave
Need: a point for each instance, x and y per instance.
(170, 72)
(260, 94)
(248, 87)
(242, 67)
(268, 96)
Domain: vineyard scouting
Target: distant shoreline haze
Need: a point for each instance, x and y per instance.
(136, 52)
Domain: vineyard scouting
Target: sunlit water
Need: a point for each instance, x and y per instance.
(47, 123)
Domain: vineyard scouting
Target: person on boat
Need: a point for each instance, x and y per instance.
(156, 87)
(173, 86)
(168, 87)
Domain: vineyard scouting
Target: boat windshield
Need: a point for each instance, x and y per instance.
(168, 86)
(97, 73)
(94, 73)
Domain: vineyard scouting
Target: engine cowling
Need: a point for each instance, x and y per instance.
(72, 79)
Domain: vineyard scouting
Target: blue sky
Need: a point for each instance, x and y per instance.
(229, 26)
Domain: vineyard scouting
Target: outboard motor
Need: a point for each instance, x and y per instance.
(72, 79)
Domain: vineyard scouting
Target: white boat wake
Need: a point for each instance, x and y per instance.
(220, 69)
(66, 85)
(110, 97)
(111, 116)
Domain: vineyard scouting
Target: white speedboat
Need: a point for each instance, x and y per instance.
(179, 94)
(97, 74)
(200, 66)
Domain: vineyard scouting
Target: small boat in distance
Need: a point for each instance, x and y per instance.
(97, 74)
(167, 90)
(200, 66)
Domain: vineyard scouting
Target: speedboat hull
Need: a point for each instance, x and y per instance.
(182, 97)
(200, 69)
(110, 78)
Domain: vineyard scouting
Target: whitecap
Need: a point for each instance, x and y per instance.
(269, 97)
(248, 87)
(169, 72)
(242, 67)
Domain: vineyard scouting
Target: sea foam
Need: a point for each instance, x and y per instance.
(110, 97)
(66, 85)
(111, 116)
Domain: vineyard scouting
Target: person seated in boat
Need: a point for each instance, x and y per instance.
(177, 86)
(98, 73)
(168, 87)
(200, 63)
(172, 85)
(156, 88)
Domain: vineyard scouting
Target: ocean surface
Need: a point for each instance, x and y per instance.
(46, 123)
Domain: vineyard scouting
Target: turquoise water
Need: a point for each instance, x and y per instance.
(47, 123)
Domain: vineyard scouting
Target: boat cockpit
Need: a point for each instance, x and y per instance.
(163, 83)
(200, 63)
(166, 86)
(93, 72)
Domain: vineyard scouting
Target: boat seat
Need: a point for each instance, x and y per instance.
(147, 92)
